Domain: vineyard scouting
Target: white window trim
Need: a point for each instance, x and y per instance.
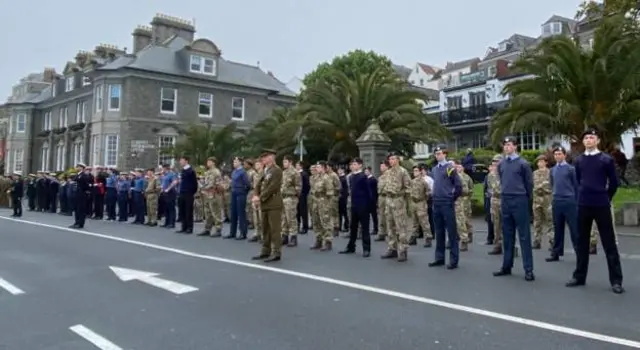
(44, 157)
(46, 121)
(161, 154)
(95, 149)
(210, 115)
(61, 150)
(18, 160)
(175, 101)
(106, 150)
(201, 64)
(109, 108)
(24, 124)
(234, 108)
(83, 111)
(78, 151)
(78, 112)
(99, 98)
(69, 83)
(54, 88)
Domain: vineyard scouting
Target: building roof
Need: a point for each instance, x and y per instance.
(453, 66)
(556, 18)
(518, 43)
(165, 58)
(402, 71)
(428, 68)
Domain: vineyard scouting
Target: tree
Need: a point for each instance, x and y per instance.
(203, 141)
(351, 64)
(595, 9)
(573, 89)
(277, 131)
(340, 108)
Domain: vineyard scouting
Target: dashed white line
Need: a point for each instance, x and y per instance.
(94, 338)
(12, 289)
(362, 287)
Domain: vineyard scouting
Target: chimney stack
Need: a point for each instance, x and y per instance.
(141, 38)
(164, 27)
(107, 51)
(49, 74)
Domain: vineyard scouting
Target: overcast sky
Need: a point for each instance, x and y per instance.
(288, 37)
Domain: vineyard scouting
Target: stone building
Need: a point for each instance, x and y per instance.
(121, 109)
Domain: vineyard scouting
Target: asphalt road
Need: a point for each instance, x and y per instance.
(60, 278)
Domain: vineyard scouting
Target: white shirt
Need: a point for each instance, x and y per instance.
(429, 181)
(591, 153)
(186, 167)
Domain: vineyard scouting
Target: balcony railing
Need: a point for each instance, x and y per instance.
(471, 114)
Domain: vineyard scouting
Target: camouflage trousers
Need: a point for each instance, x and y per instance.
(257, 221)
(212, 212)
(461, 220)
(396, 219)
(496, 218)
(420, 216)
(152, 208)
(289, 222)
(310, 207)
(335, 212)
(542, 219)
(382, 212)
(595, 233)
(249, 209)
(468, 216)
(321, 219)
(198, 209)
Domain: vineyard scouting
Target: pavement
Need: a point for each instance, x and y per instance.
(119, 286)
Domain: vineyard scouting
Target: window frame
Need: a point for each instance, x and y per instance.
(18, 160)
(110, 98)
(175, 100)
(99, 97)
(200, 98)
(107, 138)
(44, 157)
(201, 63)
(61, 150)
(24, 123)
(69, 83)
(46, 121)
(162, 156)
(234, 108)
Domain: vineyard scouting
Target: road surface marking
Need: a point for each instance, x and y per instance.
(362, 287)
(4, 284)
(94, 338)
(151, 278)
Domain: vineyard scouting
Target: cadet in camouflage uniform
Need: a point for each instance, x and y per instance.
(396, 189)
(4, 196)
(323, 196)
(542, 218)
(257, 213)
(382, 202)
(226, 196)
(420, 193)
(312, 199)
(493, 182)
(335, 197)
(462, 206)
(251, 174)
(198, 205)
(290, 189)
(212, 195)
(151, 194)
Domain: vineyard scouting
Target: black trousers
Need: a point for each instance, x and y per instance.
(17, 206)
(360, 218)
(81, 208)
(98, 205)
(602, 216)
(303, 213)
(342, 213)
(185, 206)
(373, 212)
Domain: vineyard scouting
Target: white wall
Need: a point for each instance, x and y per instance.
(417, 75)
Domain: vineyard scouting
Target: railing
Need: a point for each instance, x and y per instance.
(471, 114)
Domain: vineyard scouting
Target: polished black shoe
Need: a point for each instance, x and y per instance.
(574, 283)
(452, 266)
(260, 257)
(553, 257)
(436, 263)
(204, 233)
(272, 259)
(229, 237)
(347, 251)
(502, 272)
(241, 238)
(529, 276)
(616, 288)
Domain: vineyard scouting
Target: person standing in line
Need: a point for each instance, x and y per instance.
(381, 203)
(335, 198)
(427, 177)
(463, 216)
(302, 215)
(240, 186)
(212, 193)
(542, 218)
(373, 204)
(111, 197)
(151, 193)
(257, 213)
(83, 192)
(16, 191)
(269, 197)
(168, 196)
(137, 192)
(124, 191)
(360, 193)
(487, 208)
(322, 189)
(396, 189)
(447, 188)
(495, 211)
(31, 192)
(291, 187)
(564, 187)
(516, 181)
(597, 185)
(420, 193)
(188, 187)
(251, 173)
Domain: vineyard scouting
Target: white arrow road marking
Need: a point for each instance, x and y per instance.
(151, 278)
(94, 338)
(4, 284)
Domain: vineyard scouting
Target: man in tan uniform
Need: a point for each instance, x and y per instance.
(270, 198)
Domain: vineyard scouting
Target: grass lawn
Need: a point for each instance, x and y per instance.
(624, 195)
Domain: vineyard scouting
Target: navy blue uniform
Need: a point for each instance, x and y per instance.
(446, 189)
(17, 191)
(361, 198)
(83, 183)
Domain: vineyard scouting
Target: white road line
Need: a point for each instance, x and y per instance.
(94, 338)
(4, 284)
(363, 287)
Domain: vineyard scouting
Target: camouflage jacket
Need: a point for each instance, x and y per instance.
(322, 187)
(542, 182)
(291, 183)
(398, 182)
(212, 183)
(467, 184)
(493, 181)
(420, 191)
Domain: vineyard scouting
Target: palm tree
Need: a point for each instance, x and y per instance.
(277, 131)
(203, 141)
(341, 112)
(573, 88)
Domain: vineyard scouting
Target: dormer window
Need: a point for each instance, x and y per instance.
(552, 28)
(69, 84)
(504, 46)
(202, 65)
(86, 81)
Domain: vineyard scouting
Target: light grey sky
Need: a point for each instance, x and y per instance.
(288, 37)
